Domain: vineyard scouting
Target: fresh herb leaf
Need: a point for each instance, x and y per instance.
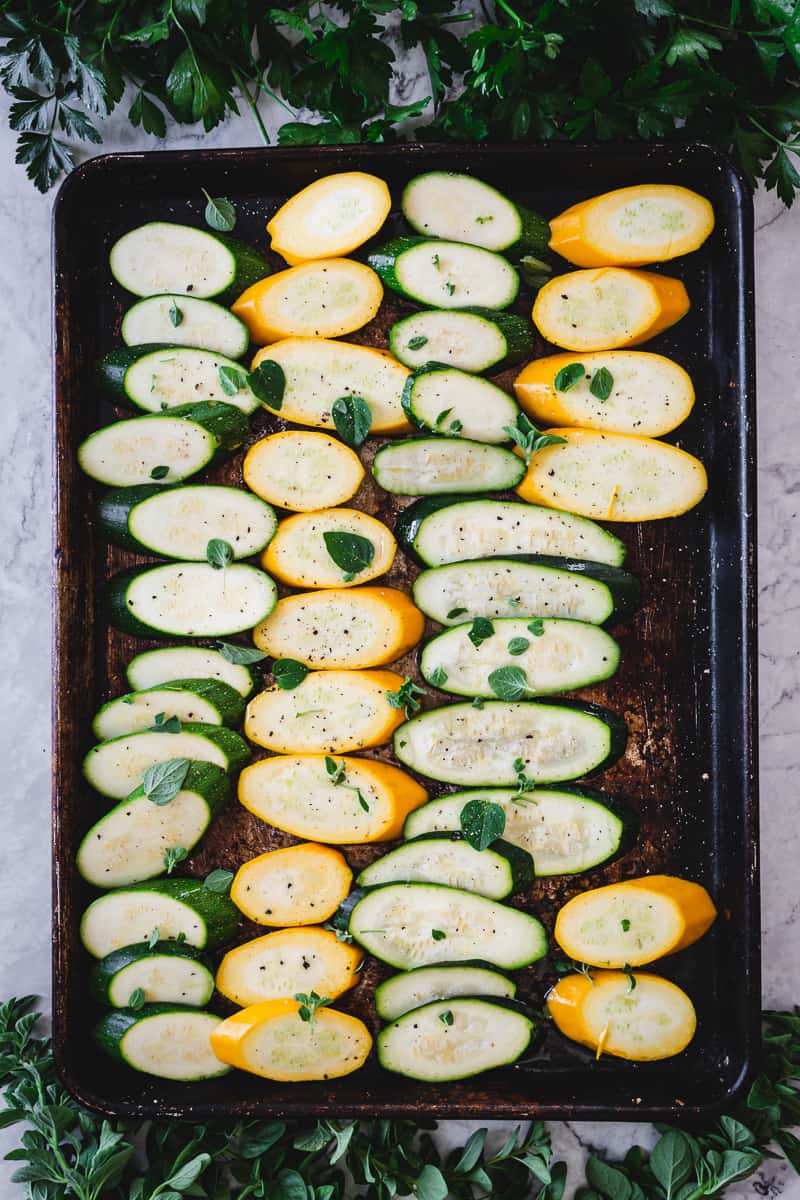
(336, 771)
(343, 935)
(162, 782)
(440, 420)
(361, 800)
(350, 551)
(536, 627)
(218, 881)
(456, 612)
(240, 656)
(446, 1018)
(352, 417)
(625, 923)
(267, 382)
(416, 343)
(219, 554)
(437, 677)
(524, 782)
(232, 380)
(454, 428)
(438, 935)
(529, 439)
(136, 999)
(288, 673)
(509, 683)
(602, 383)
(482, 823)
(220, 214)
(517, 646)
(175, 314)
(153, 938)
(173, 856)
(481, 629)
(164, 724)
(406, 697)
(534, 272)
(309, 1003)
(627, 970)
(477, 702)
(568, 376)
(449, 287)
(159, 472)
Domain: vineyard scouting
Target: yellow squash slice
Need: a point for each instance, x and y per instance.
(607, 307)
(331, 217)
(297, 885)
(302, 471)
(281, 964)
(298, 553)
(325, 298)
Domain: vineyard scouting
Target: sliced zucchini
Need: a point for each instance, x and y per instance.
(168, 446)
(635, 922)
(446, 274)
(164, 257)
(332, 216)
(445, 400)
(189, 599)
(446, 204)
(168, 663)
(411, 989)
(203, 701)
(296, 885)
(637, 1016)
(167, 907)
(342, 627)
(299, 555)
(114, 768)
(281, 964)
(167, 973)
(324, 298)
(472, 339)
(318, 372)
(330, 712)
(419, 924)
(272, 1040)
(566, 830)
(615, 476)
(298, 794)
(448, 859)
(427, 466)
(302, 471)
(465, 745)
(446, 529)
(184, 321)
(155, 378)
(454, 1039)
(529, 586)
(649, 395)
(558, 657)
(169, 1041)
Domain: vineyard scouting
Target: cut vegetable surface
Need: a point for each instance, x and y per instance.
(184, 321)
(640, 1017)
(155, 378)
(607, 307)
(342, 627)
(166, 973)
(418, 924)
(329, 712)
(207, 701)
(332, 216)
(297, 885)
(447, 529)
(634, 922)
(445, 204)
(274, 1040)
(647, 394)
(614, 476)
(179, 522)
(449, 859)
(648, 223)
(412, 989)
(116, 767)
(168, 663)
(531, 586)
(427, 466)
(169, 1041)
(281, 964)
(446, 274)
(189, 599)
(521, 658)
(168, 446)
(472, 339)
(166, 907)
(445, 400)
(566, 830)
(317, 372)
(500, 742)
(302, 471)
(164, 257)
(357, 548)
(322, 299)
(454, 1039)
(314, 796)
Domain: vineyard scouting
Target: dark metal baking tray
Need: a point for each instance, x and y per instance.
(686, 685)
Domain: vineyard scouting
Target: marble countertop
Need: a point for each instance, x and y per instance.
(25, 482)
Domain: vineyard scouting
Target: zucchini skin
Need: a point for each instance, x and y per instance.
(519, 860)
(119, 614)
(113, 509)
(231, 743)
(517, 333)
(535, 236)
(111, 369)
(383, 261)
(113, 1025)
(104, 971)
(518, 462)
(228, 424)
(220, 915)
(228, 702)
(625, 588)
(250, 266)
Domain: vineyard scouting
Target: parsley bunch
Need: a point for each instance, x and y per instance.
(719, 71)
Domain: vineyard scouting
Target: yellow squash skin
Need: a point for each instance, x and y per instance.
(297, 554)
(302, 228)
(302, 471)
(332, 966)
(325, 298)
(592, 233)
(296, 885)
(660, 302)
(271, 1040)
(594, 1009)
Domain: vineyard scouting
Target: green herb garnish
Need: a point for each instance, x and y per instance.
(310, 1002)
(509, 683)
(240, 656)
(602, 383)
(159, 472)
(218, 881)
(232, 380)
(175, 314)
(288, 673)
(173, 856)
(406, 697)
(438, 935)
(162, 782)
(352, 417)
(220, 214)
(482, 823)
(481, 629)
(267, 382)
(350, 551)
(529, 439)
(219, 554)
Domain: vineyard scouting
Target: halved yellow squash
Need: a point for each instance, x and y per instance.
(298, 554)
(331, 217)
(342, 627)
(297, 793)
(648, 223)
(279, 965)
(302, 471)
(614, 477)
(325, 298)
(607, 307)
(274, 1041)
(328, 713)
(297, 885)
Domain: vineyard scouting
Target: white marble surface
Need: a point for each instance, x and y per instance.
(25, 597)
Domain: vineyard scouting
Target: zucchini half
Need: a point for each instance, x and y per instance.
(156, 378)
(167, 973)
(189, 599)
(449, 859)
(446, 274)
(472, 339)
(446, 204)
(445, 400)
(168, 663)
(163, 256)
(427, 466)
(114, 768)
(170, 906)
(202, 701)
(465, 745)
(411, 989)
(170, 1041)
(184, 321)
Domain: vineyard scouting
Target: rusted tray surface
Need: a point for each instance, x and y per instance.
(685, 685)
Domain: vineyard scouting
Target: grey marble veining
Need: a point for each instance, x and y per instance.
(25, 597)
